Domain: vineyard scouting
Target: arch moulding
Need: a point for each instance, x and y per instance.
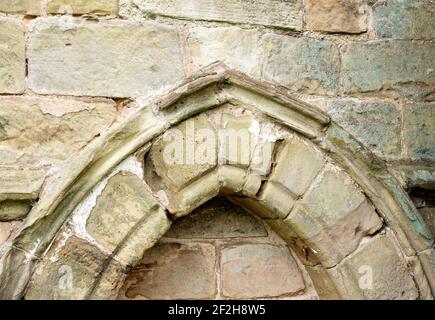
(326, 195)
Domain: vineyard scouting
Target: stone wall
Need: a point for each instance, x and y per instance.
(219, 251)
(72, 69)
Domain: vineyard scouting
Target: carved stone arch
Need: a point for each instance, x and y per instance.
(376, 218)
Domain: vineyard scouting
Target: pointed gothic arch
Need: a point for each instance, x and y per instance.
(384, 219)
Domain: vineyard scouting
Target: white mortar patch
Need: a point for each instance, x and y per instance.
(81, 213)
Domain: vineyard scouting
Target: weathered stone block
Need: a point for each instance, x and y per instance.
(185, 152)
(14, 209)
(277, 199)
(348, 16)
(273, 268)
(404, 19)
(69, 272)
(173, 271)
(236, 140)
(75, 7)
(305, 254)
(338, 217)
(35, 130)
(29, 7)
(298, 163)
(302, 64)
(330, 244)
(376, 124)
(12, 56)
(333, 196)
(133, 58)
(20, 184)
(196, 194)
(125, 206)
(384, 273)
(232, 179)
(419, 130)
(238, 48)
(217, 219)
(392, 68)
(277, 13)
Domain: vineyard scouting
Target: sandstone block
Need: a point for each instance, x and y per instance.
(70, 272)
(36, 130)
(404, 19)
(391, 68)
(173, 271)
(384, 274)
(336, 15)
(298, 163)
(76, 7)
(238, 48)
(419, 130)
(19, 185)
(185, 152)
(12, 56)
(127, 209)
(336, 218)
(28, 7)
(274, 270)
(277, 13)
(376, 124)
(307, 65)
(133, 58)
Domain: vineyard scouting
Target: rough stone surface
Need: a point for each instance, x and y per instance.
(12, 56)
(237, 147)
(74, 7)
(307, 65)
(177, 156)
(337, 217)
(124, 206)
(128, 64)
(334, 196)
(405, 19)
(359, 117)
(13, 210)
(20, 184)
(238, 48)
(379, 260)
(277, 13)
(392, 68)
(30, 7)
(173, 271)
(69, 272)
(36, 130)
(297, 165)
(348, 16)
(220, 219)
(273, 268)
(419, 130)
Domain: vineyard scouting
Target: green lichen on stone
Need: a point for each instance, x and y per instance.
(419, 130)
(405, 19)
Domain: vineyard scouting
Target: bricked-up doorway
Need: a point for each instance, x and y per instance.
(331, 200)
(219, 251)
